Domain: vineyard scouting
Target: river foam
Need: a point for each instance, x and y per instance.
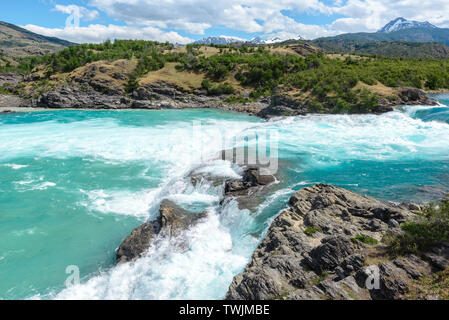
(114, 155)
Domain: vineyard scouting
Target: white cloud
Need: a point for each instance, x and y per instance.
(266, 16)
(85, 13)
(147, 19)
(371, 15)
(196, 16)
(96, 33)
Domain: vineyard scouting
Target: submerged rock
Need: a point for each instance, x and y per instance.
(252, 178)
(170, 223)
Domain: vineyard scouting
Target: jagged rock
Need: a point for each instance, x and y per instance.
(75, 97)
(414, 266)
(170, 223)
(415, 96)
(438, 256)
(252, 177)
(393, 282)
(330, 253)
(330, 264)
(281, 105)
(312, 293)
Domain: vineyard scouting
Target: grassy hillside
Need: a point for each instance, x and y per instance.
(385, 48)
(19, 42)
(322, 82)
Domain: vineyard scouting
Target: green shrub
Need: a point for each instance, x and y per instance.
(364, 239)
(311, 230)
(429, 229)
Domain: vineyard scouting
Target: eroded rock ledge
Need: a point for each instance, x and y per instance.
(170, 223)
(312, 251)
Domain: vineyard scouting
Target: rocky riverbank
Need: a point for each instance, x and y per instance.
(163, 96)
(87, 92)
(329, 244)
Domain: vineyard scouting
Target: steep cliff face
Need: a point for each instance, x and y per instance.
(321, 248)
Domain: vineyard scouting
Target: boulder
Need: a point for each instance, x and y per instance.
(170, 223)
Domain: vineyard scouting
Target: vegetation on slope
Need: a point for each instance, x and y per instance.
(440, 35)
(430, 229)
(321, 82)
(385, 48)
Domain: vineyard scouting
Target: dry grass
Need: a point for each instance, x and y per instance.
(378, 89)
(435, 286)
(184, 79)
(206, 51)
(282, 50)
(115, 73)
(377, 255)
(343, 56)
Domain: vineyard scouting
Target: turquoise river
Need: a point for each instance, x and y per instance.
(74, 184)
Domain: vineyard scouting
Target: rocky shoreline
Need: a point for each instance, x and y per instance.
(92, 94)
(318, 249)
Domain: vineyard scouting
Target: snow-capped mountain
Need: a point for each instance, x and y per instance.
(401, 23)
(224, 40)
(221, 40)
(259, 40)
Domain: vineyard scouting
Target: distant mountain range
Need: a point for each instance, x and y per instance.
(226, 40)
(399, 29)
(16, 41)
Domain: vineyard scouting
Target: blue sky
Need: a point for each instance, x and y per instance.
(183, 21)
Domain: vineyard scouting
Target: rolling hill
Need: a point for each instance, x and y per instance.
(402, 49)
(18, 42)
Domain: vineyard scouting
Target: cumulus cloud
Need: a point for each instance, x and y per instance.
(266, 16)
(96, 33)
(196, 16)
(371, 15)
(150, 19)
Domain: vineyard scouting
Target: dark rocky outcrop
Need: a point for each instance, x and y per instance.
(314, 250)
(406, 96)
(170, 223)
(76, 97)
(282, 105)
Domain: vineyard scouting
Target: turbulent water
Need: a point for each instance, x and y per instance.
(73, 184)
